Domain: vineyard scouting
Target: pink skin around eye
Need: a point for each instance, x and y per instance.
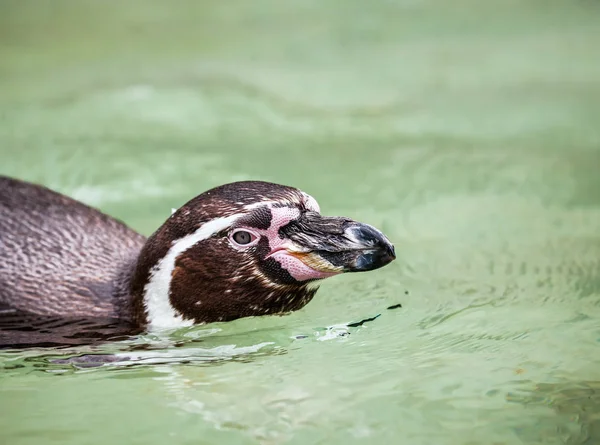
(297, 269)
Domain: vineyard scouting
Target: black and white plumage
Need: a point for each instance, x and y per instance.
(242, 249)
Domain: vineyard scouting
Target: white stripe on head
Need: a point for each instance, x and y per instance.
(311, 203)
(258, 204)
(161, 314)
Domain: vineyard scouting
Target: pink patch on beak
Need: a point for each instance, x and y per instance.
(297, 269)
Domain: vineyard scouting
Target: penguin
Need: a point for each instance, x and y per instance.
(243, 249)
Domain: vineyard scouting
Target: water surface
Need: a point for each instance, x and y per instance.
(467, 131)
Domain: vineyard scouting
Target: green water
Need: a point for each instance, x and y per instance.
(468, 131)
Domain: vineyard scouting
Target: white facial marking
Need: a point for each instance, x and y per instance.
(311, 203)
(254, 205)
(161, 314)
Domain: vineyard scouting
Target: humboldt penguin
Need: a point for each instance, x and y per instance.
(242, 249)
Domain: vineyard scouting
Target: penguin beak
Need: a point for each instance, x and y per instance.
(335, 244)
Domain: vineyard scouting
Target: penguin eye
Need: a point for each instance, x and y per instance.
(243, 237)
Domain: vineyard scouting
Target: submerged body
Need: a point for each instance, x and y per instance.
(59, 257)
(242, 249)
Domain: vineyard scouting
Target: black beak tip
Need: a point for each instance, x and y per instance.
(378, 252)
(392, 252)
(388, 255)
(374, 259)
